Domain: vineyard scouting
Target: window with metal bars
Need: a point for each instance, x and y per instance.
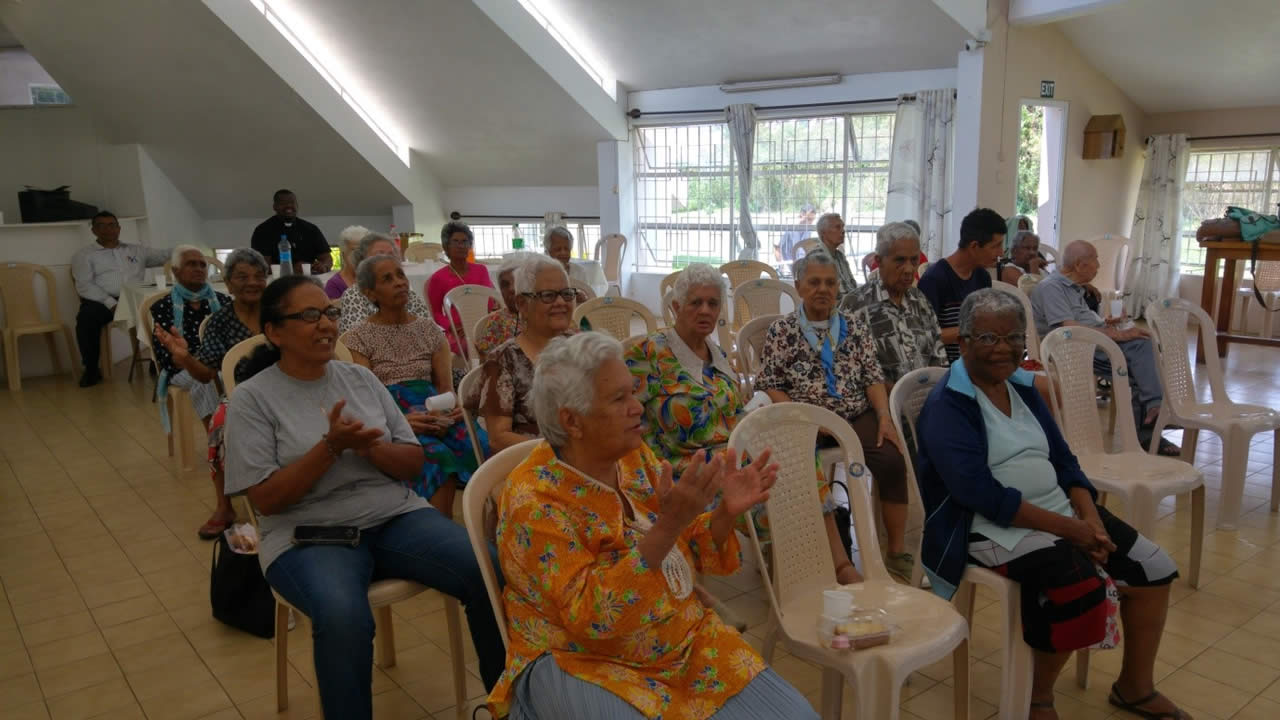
(493, 237)
(687, 189)
(1218, 178)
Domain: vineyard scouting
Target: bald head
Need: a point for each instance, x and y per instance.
(1080, 261)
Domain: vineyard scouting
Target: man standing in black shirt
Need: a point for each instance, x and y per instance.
(309, 245)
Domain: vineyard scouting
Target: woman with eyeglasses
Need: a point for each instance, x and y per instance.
(411, 356)
(316, 442)
(545, 302)
(1001, 489)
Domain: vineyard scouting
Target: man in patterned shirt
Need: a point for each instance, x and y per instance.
(903, 326)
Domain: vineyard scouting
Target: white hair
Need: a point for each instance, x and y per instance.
(552, 232)
(817, 257)
(526, 275)
(993, 301)
(564, 378)
(1076, 251)
(512, 261)
(351, 236)
(175, 258)
(890, 233)
(826, 220)
(697, 275)
(368, 241)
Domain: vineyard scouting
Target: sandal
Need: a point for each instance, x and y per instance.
(1135, 706)
(212, 529)
(1041, 706)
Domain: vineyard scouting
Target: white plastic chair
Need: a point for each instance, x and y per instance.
(1140, 479)
(905, 401)
(23, 317)
(609, 253)
(928, 627)
(182, 413)
(472, 303)
(761, 297)
(613, 316)
(750, 344)
(1033, 337)
(1266, 278)
(1028, 282)
(423, 251)
(233, 357)
(466, 389)
(806, 246)
(1050, 254)
(1113, 262)
(743, 271)
(1236, 423)
(480, 499)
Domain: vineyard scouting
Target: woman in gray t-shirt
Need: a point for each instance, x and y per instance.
(314, 441)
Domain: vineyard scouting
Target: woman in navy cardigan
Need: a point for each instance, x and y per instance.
(1001, 489)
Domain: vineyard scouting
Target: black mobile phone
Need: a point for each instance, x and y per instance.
(326, 535)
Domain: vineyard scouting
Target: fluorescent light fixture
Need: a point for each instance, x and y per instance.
(543, 11)
(400, 150)
(779, 84)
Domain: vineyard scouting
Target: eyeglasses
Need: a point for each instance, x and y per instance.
(312, 315)
(1014, 339)
(546, 297)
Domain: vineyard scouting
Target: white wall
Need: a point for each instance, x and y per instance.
(18, 71)
(51, 145)
(572, 200)
(171, 218)
(236, 232)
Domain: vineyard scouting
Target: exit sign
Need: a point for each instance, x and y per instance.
(1046, 88)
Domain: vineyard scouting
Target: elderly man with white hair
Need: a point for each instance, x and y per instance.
(901, 320)
(599, 548)
(1059, 301)
(188, 303)
(831, 232)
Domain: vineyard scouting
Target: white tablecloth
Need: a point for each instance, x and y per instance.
(129, 308)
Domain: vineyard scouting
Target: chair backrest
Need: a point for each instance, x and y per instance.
(203, 324)
(801, 562)
(609, 252)
(466, 389)
(234, 356)
(472, 304)
(341, 351)
(18, 290)
(905, 401)
(1113, 261)
(1028, 282)
(1167, 318)
(1266, 276)
(668, 282)
(613, 315)
(488, 481)
(1067, 354)
(804, 247)
(751, 342)
(583, 288)
(144, 313)
(423, 251)
(741, 271)
(1050, 253)
(1033, 337)
(761, 297)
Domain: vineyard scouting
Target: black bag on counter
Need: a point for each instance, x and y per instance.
(40, 206)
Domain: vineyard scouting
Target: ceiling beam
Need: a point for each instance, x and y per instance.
(969, 14)
(1039, 12)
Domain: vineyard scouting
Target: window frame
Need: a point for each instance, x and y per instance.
(580, 225)
(1189, 250)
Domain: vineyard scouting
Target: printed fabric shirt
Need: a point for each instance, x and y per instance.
(222, 333)
(579, 589)
(162, 316)
(356, 308)
(398, 353)
(689, 404)
(496, 328)
(907, 337)
(791, 365)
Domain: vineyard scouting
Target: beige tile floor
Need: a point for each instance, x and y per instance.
(104, 588)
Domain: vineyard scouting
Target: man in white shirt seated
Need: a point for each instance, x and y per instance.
(101, 270)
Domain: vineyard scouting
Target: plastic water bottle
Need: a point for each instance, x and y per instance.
(286, 256)
(517, 242)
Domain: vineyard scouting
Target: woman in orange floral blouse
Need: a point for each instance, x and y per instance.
(599, 549)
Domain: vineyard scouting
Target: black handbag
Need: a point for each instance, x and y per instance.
(238, 593)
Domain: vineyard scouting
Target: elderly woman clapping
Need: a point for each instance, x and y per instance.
(246, 272)
(356, 308)
(411, 356)
(599, 548)
(1001, 489)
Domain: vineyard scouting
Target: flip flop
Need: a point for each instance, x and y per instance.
(1135, 706)
(211, 530)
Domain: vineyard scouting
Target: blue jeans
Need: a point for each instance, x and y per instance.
(330, 584)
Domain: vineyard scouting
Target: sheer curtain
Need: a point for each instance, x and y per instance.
(920, 165)
(1154, 240)
(742, 134)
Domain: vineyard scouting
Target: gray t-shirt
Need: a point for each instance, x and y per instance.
(1056, 300)
(274, 419)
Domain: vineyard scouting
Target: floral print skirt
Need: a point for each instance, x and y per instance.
(443, 456)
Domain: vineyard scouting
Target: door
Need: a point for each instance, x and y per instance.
(1042, 151)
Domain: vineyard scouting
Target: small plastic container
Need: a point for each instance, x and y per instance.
(859, 629)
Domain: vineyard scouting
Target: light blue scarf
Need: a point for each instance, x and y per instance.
(825, 347)
(180, 296)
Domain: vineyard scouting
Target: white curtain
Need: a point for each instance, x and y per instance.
(742, 133)
(1155, 239)
(920, 166)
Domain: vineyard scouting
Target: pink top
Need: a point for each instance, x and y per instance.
(444, 280)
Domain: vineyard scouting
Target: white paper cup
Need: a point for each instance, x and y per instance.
(1117, 308)
(161, 281)
(275, 270)
(306, 268)
(836, 603)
